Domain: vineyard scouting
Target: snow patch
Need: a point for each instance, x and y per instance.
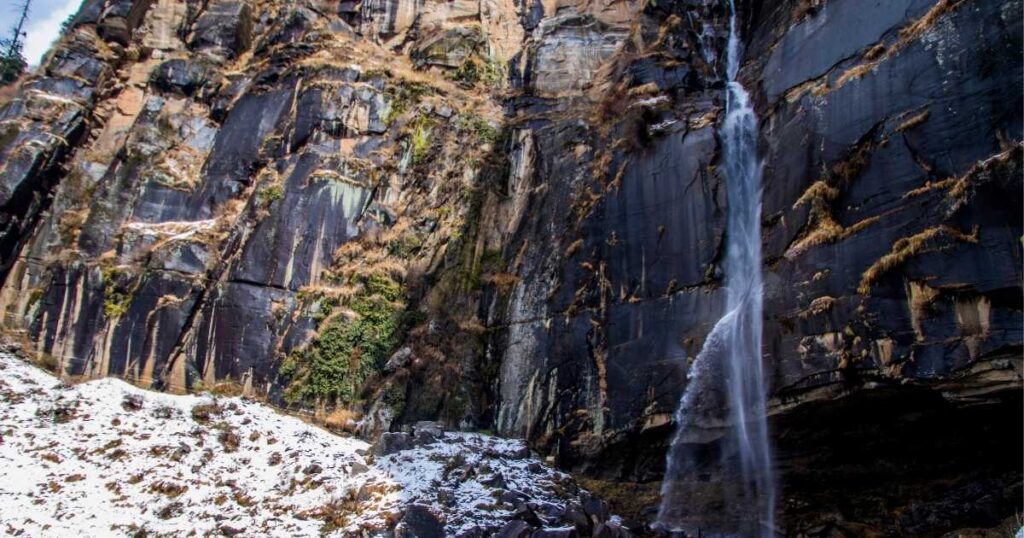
(106, 458)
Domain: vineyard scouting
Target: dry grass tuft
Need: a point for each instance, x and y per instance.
(503, 281)
(932, 239)
(818, 193)
(913, 121)
(916, 29)
(957, 187)
(227, 388)
(10, 91)
(822, 225)
(856, 72)
(875, 55)
(818, 306)
(827, 230)
(340, 418)
(573, 248)
(929, 187)
(805, 8)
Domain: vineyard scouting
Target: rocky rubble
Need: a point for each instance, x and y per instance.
(510, 493)
(104, 458)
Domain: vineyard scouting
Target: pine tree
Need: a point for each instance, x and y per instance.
(12, 63)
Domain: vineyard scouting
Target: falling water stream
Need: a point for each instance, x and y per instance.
(728, 489)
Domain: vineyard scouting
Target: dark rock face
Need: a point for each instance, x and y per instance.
(37, 133)
(120, 18)
(225, 27)
(842, 462)
(196, 231)
(186, 77)
(511, 216)
(888, 145)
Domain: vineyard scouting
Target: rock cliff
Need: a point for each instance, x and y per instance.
(509, 215)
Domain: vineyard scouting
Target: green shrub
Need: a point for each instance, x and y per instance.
(479, 128)
(348, 351)
(405, 246)
(402, 96)
(116, 300)
(492, 74)
(421, 139)
(474, 71)
(467, 75)
(35, 296)
(270, 194)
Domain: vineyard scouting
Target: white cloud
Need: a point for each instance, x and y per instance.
(44, 29)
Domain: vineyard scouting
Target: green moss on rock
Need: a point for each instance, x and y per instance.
(116, 298)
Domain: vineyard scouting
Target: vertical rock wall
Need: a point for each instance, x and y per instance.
(510, 215)
(183, 174)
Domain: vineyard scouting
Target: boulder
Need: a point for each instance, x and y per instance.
(514, 529)
(570, 49)
(450, 48)
(224, 28)
(392, 442)
(399, 359)
(121, 18)
(186, 77)
(420, 521)
(426, 432)
(595, 507)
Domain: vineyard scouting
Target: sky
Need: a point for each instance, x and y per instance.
(43, 24)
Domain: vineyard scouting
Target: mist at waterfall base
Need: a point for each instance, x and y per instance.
(719, 479)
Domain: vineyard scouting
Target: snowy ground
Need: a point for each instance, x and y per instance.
(105, 458)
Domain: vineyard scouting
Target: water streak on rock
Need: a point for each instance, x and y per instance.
(728, 375)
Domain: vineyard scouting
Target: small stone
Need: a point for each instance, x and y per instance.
(446, 498)
(525, 512)
(602, 530)
(521, 453)
(552, 511)
(472, 532)
(496, 480)
(131, 402)
(574, 515)
(511, 497)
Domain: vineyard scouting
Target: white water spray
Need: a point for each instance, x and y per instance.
(728, 375)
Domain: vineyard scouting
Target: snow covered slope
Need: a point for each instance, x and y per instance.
(105, 458)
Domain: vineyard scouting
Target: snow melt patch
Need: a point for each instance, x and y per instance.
(106, 458)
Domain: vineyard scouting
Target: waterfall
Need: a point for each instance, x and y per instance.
(724, 400)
